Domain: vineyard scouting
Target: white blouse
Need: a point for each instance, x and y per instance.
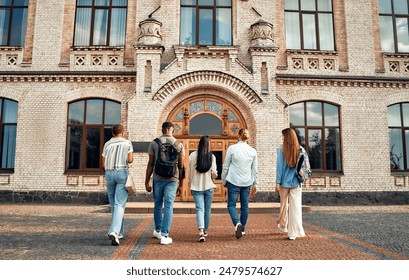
(201, 181)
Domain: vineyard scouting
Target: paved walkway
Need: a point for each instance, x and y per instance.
(217, 207)
(66, 232)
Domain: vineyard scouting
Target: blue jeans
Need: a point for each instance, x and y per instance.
(232, 198)
(164, 194)
(117, 196)
(203, 202)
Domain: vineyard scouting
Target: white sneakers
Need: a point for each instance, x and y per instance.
(114, 238)
(165, 240)
(238, 228)
(282, 229)
(157, 234)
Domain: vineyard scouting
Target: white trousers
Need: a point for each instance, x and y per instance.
(291, 211)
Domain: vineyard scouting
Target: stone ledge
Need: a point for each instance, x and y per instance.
(355, 198)
(47, 197)
(309, 198)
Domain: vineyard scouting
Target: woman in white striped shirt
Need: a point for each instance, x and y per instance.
(116, 156)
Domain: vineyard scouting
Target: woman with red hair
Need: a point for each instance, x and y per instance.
(290, 219)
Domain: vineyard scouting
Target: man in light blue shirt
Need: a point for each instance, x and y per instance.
(239, 175)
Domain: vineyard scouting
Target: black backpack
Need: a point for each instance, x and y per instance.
(166, 164)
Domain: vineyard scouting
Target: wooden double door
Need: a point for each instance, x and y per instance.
(206, 115)
(219, 148)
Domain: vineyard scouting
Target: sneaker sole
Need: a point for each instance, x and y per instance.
(113, 241)
(238, 231)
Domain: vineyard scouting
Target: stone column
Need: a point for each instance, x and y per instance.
(149, 51)
(263, 52)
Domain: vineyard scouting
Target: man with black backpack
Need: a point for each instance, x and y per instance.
(165, 162)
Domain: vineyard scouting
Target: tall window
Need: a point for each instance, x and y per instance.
(205, 22)
(100, 23)
(394, 17)
(8, 128)
(90, 125)
(13, 22)
(309, 25)
(398, 123)
(317, 126)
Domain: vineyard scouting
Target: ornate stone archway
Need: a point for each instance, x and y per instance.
(207, 78)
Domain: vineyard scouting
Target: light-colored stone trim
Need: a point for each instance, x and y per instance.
(210, 78)
(72, 78)
(339, 82)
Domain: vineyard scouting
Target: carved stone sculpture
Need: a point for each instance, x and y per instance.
(150, 32)
(262, 34)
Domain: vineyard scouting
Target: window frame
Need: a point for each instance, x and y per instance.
(85, 127)
(214, 8)
(2, 124)
(316, 14)
(93, 8)
(322, 129)
(394, 16)
(10, 24)
(402, 128)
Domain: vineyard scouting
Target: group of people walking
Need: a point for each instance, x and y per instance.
(239, 176)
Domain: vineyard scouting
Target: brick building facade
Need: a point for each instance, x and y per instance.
(241, 65)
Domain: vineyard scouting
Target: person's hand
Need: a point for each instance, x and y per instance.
(277, 189)
(253, 191)
(148, 187)
(179, 190)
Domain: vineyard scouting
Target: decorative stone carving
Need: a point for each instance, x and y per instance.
(262, 34)
(150, 32)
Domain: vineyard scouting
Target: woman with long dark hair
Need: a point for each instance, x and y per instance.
(202, 169)
(290, 219)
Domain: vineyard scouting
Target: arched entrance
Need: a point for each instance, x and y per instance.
(212, 116)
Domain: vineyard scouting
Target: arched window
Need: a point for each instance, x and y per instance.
(206, 116)
(317, 126)
(90, 124)
(205, 124)
(398, 123)
(8, 128)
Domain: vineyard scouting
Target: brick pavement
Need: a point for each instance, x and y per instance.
(66, 232)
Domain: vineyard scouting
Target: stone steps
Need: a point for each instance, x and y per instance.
(217, 207)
